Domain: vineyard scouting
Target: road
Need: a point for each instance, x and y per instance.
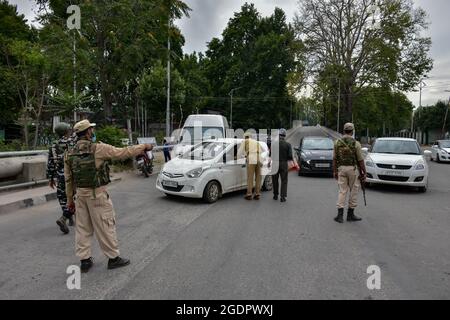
(235, 249)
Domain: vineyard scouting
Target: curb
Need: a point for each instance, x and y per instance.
(35, 201)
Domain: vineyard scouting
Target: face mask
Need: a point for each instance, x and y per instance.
(94, 137)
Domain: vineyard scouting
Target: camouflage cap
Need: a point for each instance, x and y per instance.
(82, 126)
(349, 127)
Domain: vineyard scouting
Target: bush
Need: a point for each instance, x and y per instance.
(111, 135)
(14, 145)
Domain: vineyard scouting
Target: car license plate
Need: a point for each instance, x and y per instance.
(393, 173)
(322, 165)
(172, 184)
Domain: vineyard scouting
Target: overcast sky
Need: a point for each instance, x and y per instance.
(208, 18)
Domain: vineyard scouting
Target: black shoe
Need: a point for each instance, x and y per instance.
(275, 197)
(71, 222)
(61, 222)
(86, 264)
(340, 217)
(118, 263)
(351, 215)
(283, 199)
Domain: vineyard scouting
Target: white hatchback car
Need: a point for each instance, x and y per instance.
(441, 151)
(397, 161)
(210, 170)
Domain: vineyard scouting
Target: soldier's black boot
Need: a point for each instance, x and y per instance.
(71, 222)
(118, 262)
(351, 215)
(340, 217)
(61, 222)
(275, 197)
(86, 264)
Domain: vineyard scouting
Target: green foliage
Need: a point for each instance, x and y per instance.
(111, 135)
(14, 145)
(258, 56)
(432, 117)
(351, 41)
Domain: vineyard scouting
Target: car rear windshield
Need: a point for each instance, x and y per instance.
(205, 151)
(317, 144)
(396, 147)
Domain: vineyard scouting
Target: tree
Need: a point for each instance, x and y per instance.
(257, 55)
(153, 90)
(365, 43)
(12, 27)
(29, 67)
(112, 48)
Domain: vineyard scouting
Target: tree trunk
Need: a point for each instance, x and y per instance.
(348, 104)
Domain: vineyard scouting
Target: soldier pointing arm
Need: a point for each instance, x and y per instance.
(87, 175)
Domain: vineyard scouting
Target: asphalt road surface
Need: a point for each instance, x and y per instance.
(235, 249)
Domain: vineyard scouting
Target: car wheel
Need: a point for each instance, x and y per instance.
(268, 184)
(212, 192)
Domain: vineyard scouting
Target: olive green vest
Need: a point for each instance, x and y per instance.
(346, 152)
(82, 163)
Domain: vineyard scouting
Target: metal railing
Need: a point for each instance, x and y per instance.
(10, 154)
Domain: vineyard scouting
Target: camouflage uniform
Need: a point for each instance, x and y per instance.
(55, 170)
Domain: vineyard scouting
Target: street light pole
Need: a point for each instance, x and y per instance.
(231, 105)
(168, 83)
(445, 118)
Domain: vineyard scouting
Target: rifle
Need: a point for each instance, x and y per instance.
(363, 187)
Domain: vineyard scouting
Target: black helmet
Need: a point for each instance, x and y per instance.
(62, 128)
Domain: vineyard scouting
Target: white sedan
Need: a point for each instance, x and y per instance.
(397, 161)
(441, 151)
(210, 170)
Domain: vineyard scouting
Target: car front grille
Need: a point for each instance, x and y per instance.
(177, 189)
(393, 178)
(393, 166)
(172, 175)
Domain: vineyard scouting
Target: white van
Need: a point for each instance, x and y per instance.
(198, 128)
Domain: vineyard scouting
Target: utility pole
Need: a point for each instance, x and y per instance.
(445, 118)
(339, 106)
(74, 78)
(168, 82)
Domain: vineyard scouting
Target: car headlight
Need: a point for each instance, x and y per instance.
(419, 166)
(370, 163)
(444, 152)
(195, 173)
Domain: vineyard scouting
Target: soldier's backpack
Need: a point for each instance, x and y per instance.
(84, 171)
(346, 152)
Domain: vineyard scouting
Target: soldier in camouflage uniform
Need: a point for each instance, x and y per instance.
(55, 171)
(87, 174)
(347, 160)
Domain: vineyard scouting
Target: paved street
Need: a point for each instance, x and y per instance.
(235, 249)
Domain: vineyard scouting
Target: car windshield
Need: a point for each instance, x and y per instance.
(193, 135)
(205, 151)
(396, 147)
(445, 144)
(317, 144)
